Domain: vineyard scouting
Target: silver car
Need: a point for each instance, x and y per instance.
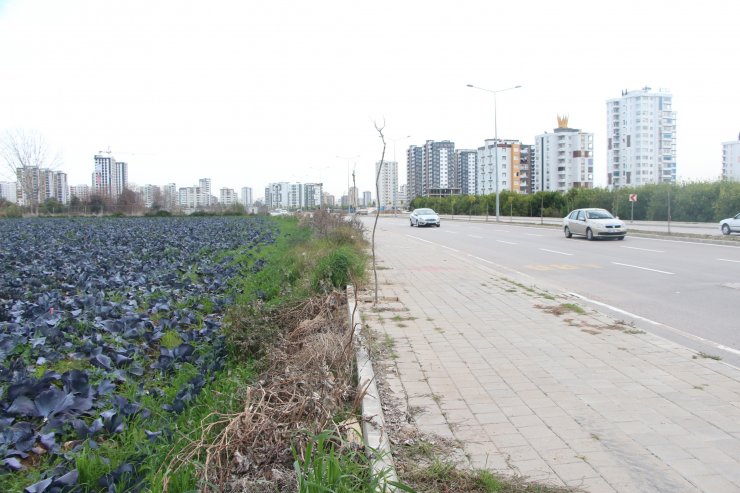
(593, 223)
(424, 217)
(730, 225)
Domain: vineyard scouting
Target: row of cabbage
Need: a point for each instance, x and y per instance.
(97, 318)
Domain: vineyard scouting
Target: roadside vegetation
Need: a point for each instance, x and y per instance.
(689, 202)
(175, 354)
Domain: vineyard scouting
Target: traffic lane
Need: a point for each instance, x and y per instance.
(694, 306)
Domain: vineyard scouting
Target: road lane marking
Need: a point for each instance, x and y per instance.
(644, 249)
(502, 231)
(532, 234)
(420, 239)
(476, 237)
(644, 268)
(549, 267)
(482, 259)
(449, 248)
(680, 332)
(507, 242)
(555, 251)
(728, 260)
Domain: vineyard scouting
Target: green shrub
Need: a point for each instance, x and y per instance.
(338, 268)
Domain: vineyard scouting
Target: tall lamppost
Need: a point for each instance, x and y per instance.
(395, 192)
(349, 198)
(495, 137)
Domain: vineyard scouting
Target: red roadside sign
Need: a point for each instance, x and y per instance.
(633, 197)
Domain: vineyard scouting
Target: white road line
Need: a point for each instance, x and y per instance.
(659, 324)
(451, 232)
(482, 259)
(502, 231)
(684, 241)
(728, 260)
(420, 239)
(476, 237)
(532, 234)
(448, 248)
(507, 242)
(644, 249)
(644, 268)
(555, 251)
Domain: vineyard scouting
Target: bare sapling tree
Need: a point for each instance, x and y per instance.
(377, 209)
(24, 153)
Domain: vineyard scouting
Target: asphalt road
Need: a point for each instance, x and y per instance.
(685, 291)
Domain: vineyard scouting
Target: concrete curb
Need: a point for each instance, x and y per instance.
(373, 422)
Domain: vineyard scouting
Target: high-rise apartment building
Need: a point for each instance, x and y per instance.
(563, 159)
(641, 138)
(731, 160)
(205, 190)
(8, 191)
(367, 198)
(353, 196)
(245, 197)
(526, 166)
(387, 184)
(438, 169)
(498, 159)
(227, 197)
(36, 185)
(170, 196)
(466, 165)
(328, 199)
(82, 192)
(284, 195)
(151, 195)
(414, 165)
(110, 177)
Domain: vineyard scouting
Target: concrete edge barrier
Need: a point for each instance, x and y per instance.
(373, 422)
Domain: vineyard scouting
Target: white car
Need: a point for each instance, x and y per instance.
(730, 225)
(424, 217)
(593, 223)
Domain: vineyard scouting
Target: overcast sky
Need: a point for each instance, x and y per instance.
(249, 92)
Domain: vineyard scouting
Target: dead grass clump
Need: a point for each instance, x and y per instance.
(307, 382)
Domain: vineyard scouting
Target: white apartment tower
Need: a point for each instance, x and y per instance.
(387, 184)
(731, 160)
(8, 191)
(227, 197)
(641, 138)
(508, 166)
(110, 177)
(169, 191)
(246, 196)
(563, 159)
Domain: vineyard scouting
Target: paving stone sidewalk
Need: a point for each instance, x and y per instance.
(534, 387)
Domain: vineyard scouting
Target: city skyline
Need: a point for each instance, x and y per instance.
(256, 93)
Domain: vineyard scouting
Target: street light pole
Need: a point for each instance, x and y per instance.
(495, 137)
(349, 201)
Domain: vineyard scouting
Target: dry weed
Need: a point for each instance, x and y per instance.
(307, 382)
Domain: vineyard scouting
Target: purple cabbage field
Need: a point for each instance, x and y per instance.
(108, 326)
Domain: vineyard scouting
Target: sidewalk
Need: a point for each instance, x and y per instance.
(532, 387)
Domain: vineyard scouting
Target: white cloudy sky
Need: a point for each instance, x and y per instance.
(249, 92)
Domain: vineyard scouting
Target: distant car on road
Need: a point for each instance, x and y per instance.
(593, 223)
(279, 212)
(424, 217)
(730, 225)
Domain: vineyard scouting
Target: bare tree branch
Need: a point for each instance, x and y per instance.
(25, 150)
(377, 208)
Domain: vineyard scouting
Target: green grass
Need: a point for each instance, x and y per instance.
(328, 465)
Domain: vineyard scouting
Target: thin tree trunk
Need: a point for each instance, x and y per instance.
(377, 208)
